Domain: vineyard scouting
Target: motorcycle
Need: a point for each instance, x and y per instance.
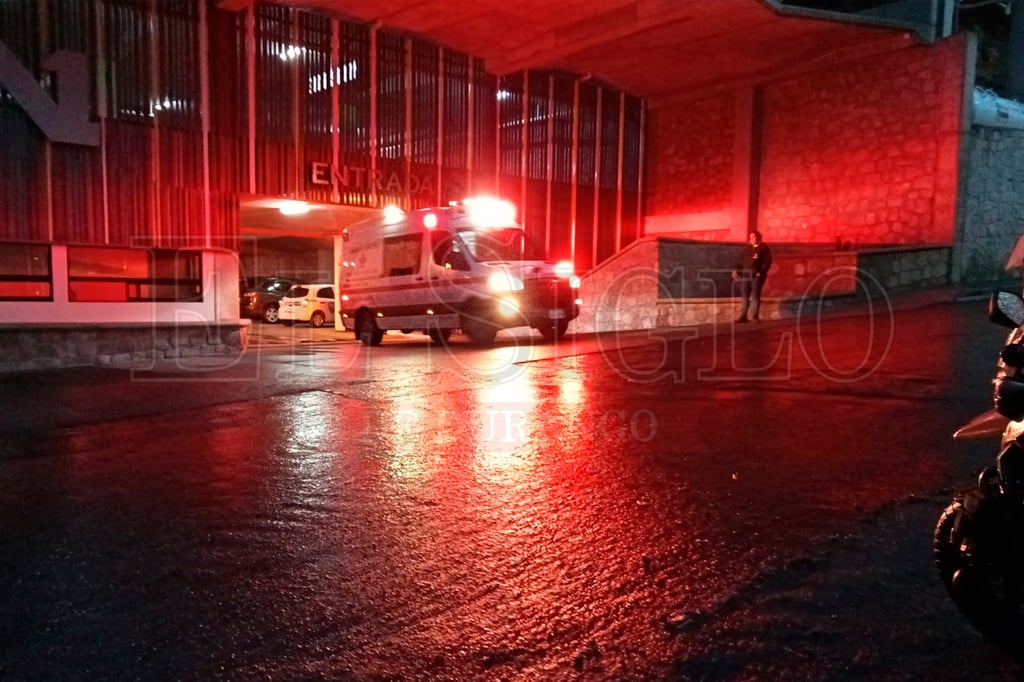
(978, 543)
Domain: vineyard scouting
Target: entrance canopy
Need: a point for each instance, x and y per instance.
(651, 48)
(273, 216)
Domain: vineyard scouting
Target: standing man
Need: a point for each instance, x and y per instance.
(751, 274)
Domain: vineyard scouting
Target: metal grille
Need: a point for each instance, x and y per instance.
(546, 293)
(424, 102)
(485, 111)
(510, 124)
(127, 53)
(456, 109)
(587, 137)
(354, 92)
(176, 96)
(562, 128)
(391, 92)
(164, 175)
(537, 127)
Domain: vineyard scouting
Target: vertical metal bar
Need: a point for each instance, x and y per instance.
(294, 33)
(497, 137)
(551, 162)
(618, 181)
(250, 49)
(154, 133)
(524, 169)
(374, 75)
(575, 167)
(440, 122)
(470, 118)
(595, 241)
(336, 79)
(101, 108)
(409, 85)
(204, 114)
(1015, 56)
(42, 14)
(640, 171)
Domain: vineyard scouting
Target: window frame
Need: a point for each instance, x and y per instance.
(147, 288)
(26, 278)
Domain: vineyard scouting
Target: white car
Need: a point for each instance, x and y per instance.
(313, 303)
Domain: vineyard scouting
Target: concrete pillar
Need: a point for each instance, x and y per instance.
(1015, 57)
(747, 162)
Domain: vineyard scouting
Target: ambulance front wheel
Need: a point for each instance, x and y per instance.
(439, 335)
(367, 330)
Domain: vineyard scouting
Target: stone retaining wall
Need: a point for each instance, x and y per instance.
(660, 282)
(992, 215)
(31, 347)
(863, 149)
(622, 292)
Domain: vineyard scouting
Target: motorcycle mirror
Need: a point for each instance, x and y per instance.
(1006, 308)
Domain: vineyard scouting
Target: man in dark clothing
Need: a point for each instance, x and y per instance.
(750, 275)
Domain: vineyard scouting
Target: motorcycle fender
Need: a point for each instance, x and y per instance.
(986, 425)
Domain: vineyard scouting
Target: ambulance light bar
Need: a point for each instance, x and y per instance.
(489, 212)
(393, 215)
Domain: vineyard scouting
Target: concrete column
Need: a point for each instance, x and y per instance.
(1015, 58)
(747, 162)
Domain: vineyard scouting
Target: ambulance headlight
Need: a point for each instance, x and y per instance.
(508, 307)
(503, 281)
(564, 269)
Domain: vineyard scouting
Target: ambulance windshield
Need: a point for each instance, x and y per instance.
(499, 245)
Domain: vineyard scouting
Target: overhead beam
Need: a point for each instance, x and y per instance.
(234, 5)
(618, 22)
(929, 27)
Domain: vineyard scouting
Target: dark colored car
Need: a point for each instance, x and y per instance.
(260, 298)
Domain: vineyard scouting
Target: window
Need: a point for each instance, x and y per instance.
(402, 254)
(99, 274)
(325, 292)
(25, 272)
(506, 244)
(448, 251)
(276, 286)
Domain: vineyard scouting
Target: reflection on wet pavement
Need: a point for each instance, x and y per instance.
(475, 514)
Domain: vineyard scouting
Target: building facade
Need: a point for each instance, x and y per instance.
(136, 132)
(137, 135)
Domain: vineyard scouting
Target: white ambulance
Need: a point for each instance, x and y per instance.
(468, 266)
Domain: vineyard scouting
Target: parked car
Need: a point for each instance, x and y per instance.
(313, 303)
(261, 298)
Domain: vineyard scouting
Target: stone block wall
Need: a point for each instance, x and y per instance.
(902, 269)
(32, 347)
(863, 150)
(992, 204)
(865, 153)
(691, 169)
(622, 292)
(642, 288)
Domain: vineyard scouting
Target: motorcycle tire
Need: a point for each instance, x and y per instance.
(989, 597)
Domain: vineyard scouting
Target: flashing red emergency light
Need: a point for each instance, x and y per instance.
(490, 212)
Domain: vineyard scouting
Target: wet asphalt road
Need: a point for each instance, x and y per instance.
(753, 505)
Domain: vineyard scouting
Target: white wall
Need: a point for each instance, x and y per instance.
(219, 304)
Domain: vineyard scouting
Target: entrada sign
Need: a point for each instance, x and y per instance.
(365, 179)
(65, 121)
